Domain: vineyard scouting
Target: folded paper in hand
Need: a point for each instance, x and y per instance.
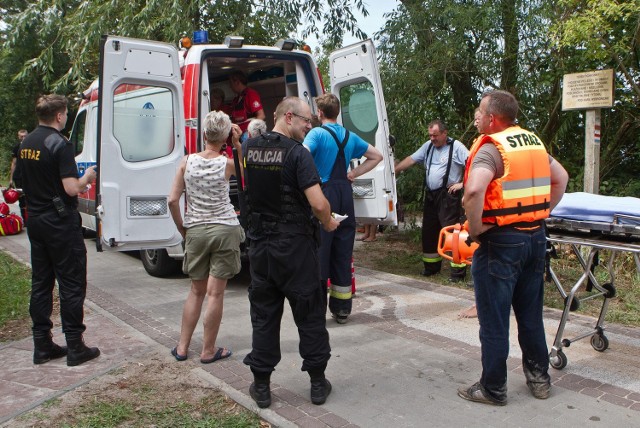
(339, 217)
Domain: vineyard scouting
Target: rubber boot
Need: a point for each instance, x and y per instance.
(260, 390)
(458, 274)
(79, 352)
(44, 350)
(320, 386)
(431, 268)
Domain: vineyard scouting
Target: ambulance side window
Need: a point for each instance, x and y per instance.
(359, 111)
(77, 133)
(143, 122)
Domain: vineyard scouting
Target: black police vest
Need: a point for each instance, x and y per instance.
(273, 206)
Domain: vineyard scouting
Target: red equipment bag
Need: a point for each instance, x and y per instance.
(11, 196)
(4, 209)
(10, 224)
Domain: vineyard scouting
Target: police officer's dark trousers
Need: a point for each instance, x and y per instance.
(285, 265)
(57, 252)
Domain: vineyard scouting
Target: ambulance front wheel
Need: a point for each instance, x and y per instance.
(158, 262)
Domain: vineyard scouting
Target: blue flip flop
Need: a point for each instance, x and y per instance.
(218, 356)
(179, 357)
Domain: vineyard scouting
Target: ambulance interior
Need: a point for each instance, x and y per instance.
(273, 75)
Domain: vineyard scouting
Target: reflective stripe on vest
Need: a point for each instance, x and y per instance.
(523, 193)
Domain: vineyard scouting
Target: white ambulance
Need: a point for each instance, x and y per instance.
(146, 111)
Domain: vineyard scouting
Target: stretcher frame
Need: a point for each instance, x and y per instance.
(594, 236)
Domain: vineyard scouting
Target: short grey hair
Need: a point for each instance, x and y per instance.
(217, 126)
(256, 127)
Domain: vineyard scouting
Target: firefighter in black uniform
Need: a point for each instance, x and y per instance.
(50, 181)
(282, 195)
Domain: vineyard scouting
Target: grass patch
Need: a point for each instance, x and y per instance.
(15, 289)
(400, 253)
(213, 410)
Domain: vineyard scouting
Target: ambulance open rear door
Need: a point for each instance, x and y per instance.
(355, 80)
(140, 143)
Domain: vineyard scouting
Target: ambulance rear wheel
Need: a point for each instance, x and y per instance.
(158, 263)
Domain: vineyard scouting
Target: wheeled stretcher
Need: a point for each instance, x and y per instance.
(588, 224)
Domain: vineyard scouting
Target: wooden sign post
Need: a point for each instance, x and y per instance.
(589, 91)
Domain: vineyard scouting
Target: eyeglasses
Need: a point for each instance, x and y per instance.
(306, 119)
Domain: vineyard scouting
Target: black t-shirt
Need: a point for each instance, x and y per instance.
(14, 151)
(303, 172)
(44, 159)
(16, 173)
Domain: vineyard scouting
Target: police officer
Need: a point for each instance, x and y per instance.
(283, 195)
(50, 180)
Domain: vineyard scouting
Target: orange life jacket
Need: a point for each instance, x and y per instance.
(523, 193)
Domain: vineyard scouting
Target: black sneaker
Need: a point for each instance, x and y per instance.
(261, 394)
(540, 390)
(320, 390)
(476, 393)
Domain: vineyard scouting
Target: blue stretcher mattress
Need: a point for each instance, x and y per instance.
(597, 208)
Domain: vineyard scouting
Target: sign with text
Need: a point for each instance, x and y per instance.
(586, 91)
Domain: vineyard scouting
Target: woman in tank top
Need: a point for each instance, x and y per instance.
(211, 231)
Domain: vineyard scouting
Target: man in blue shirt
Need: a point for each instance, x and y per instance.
(333, 147)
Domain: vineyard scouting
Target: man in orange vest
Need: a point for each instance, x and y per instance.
(511, 185)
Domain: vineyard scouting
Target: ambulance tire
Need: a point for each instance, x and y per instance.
(158, 263)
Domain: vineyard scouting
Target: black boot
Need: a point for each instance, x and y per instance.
(260, 390)
(320, 390)
(320, 386)
(431, 268)
(44, 350)
(79, 352)
(458, 274)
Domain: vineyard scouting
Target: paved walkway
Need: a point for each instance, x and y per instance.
(397, 362)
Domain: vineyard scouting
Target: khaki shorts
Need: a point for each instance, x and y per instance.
(212, 250)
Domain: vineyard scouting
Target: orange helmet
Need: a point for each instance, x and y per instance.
(10, 196)
(454, 244)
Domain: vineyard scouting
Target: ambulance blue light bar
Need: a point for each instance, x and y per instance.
(200, 37)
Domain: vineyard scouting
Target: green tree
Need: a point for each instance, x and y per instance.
(50, 46)
(438, 57)
(73, 28)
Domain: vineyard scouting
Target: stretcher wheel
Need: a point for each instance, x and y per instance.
(559, 361)
(611, 290)
(575, 303)
(599, 342)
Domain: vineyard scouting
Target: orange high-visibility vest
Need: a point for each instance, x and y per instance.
(523, 193)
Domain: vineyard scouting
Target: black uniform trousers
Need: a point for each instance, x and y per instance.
(285, 265)
(57, 252)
